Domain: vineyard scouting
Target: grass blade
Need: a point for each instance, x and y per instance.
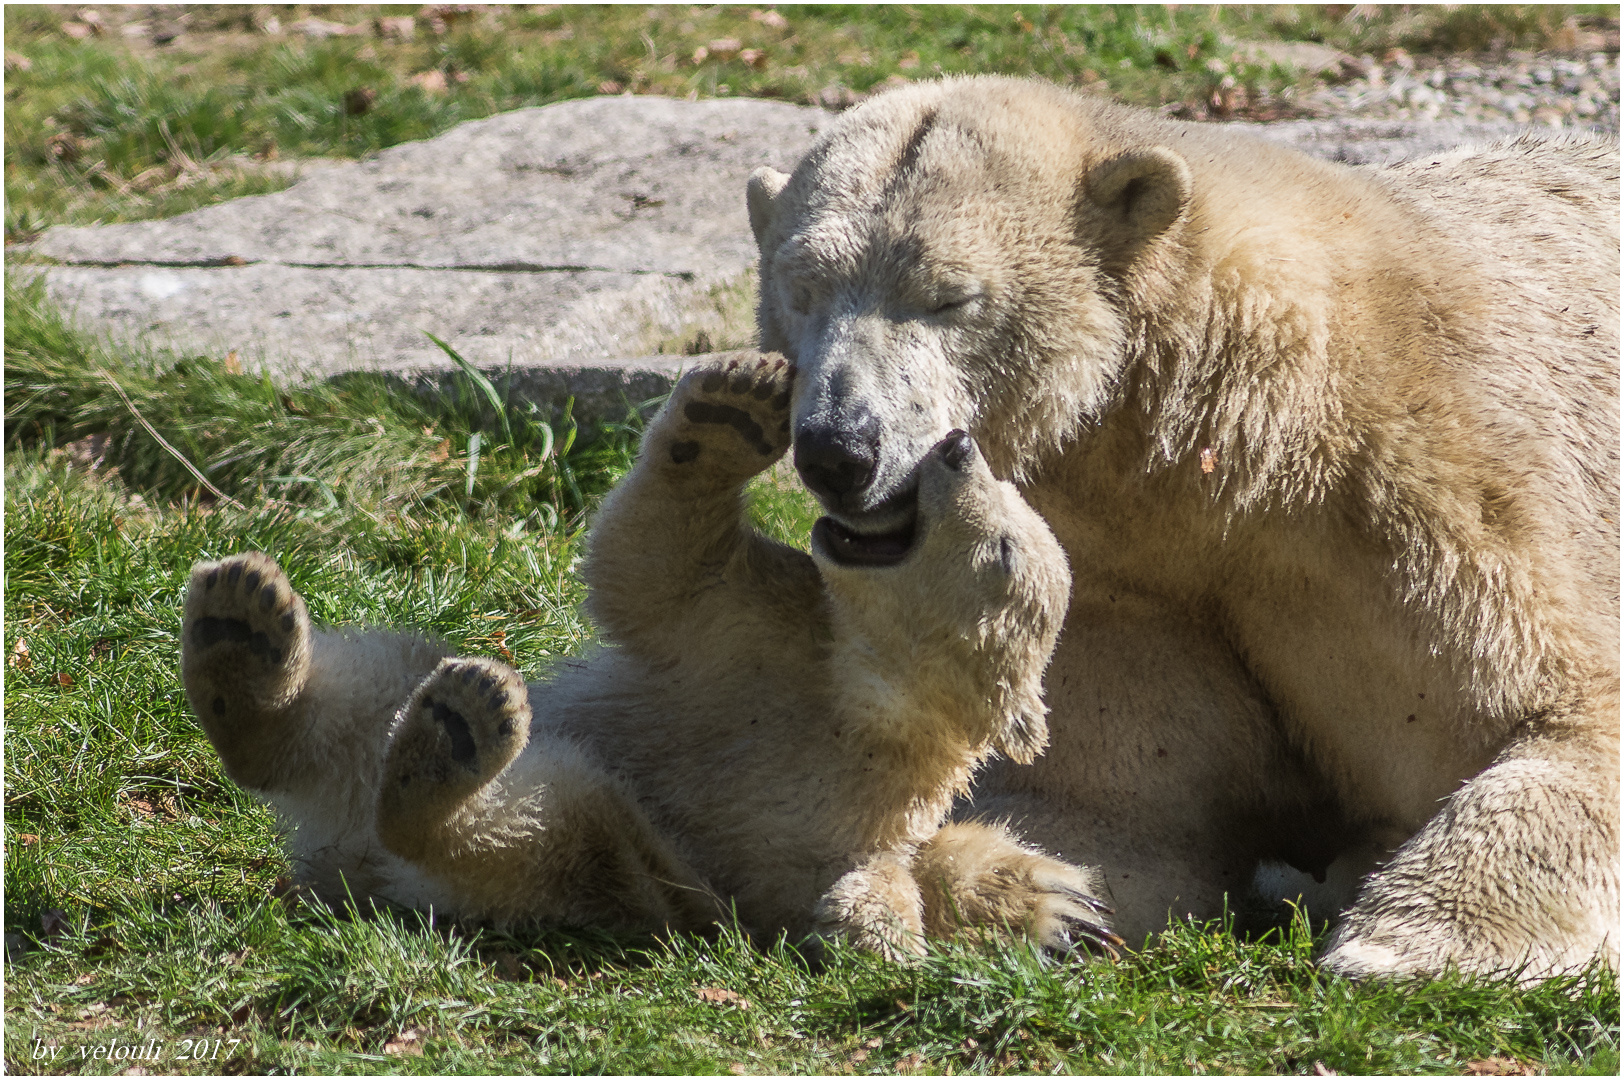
(478, 378)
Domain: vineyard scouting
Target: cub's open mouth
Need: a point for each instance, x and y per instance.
(842, 545)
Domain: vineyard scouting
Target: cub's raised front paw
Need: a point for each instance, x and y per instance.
(462, 726)
(731, 418)
(245, 656)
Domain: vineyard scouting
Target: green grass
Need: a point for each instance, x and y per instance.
(142, 888)
(112, 128)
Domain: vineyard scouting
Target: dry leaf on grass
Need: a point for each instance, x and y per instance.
(64, 679)
(20, 657)
(408, 1043)
(395, 27)
(430, 82)
(910, 1062)
(716, 995)
(358, 102)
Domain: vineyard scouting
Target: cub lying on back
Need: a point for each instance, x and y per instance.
(776, 735)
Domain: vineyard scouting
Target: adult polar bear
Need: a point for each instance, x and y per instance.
(1332, 451)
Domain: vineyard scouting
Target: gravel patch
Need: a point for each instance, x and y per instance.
(1542, 90)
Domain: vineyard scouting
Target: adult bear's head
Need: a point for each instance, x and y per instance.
(955, 255)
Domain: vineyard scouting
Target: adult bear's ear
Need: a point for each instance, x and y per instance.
(1136, 197)
(759, 193)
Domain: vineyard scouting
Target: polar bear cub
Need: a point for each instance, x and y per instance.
(769, 736)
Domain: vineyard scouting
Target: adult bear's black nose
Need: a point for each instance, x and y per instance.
(836, 461)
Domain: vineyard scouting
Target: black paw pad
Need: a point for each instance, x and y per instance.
(463, 749)
(713, 382)
(704, 412)
(209, 631)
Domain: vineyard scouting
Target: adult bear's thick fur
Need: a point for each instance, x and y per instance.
(1332, 452)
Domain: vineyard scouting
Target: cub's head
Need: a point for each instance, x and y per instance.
(953, 255)
(970, 611)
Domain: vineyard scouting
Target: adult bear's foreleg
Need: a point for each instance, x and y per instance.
(1517, 873)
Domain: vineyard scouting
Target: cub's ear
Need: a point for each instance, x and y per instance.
(759, 193)
(1139, 195)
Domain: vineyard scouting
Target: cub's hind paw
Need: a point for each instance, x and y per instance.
(245, 649)
(731, 417)
(462, 727)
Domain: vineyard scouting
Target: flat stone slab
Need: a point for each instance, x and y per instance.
(558, 247)
(566, 233)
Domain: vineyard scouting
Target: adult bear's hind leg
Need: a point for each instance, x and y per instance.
(977, 875)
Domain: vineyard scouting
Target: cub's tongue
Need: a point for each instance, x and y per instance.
(844, 546)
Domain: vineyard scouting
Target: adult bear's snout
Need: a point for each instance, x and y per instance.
(838, 460)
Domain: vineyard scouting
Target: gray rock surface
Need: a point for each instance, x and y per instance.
(559, 246)
(561, 236)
